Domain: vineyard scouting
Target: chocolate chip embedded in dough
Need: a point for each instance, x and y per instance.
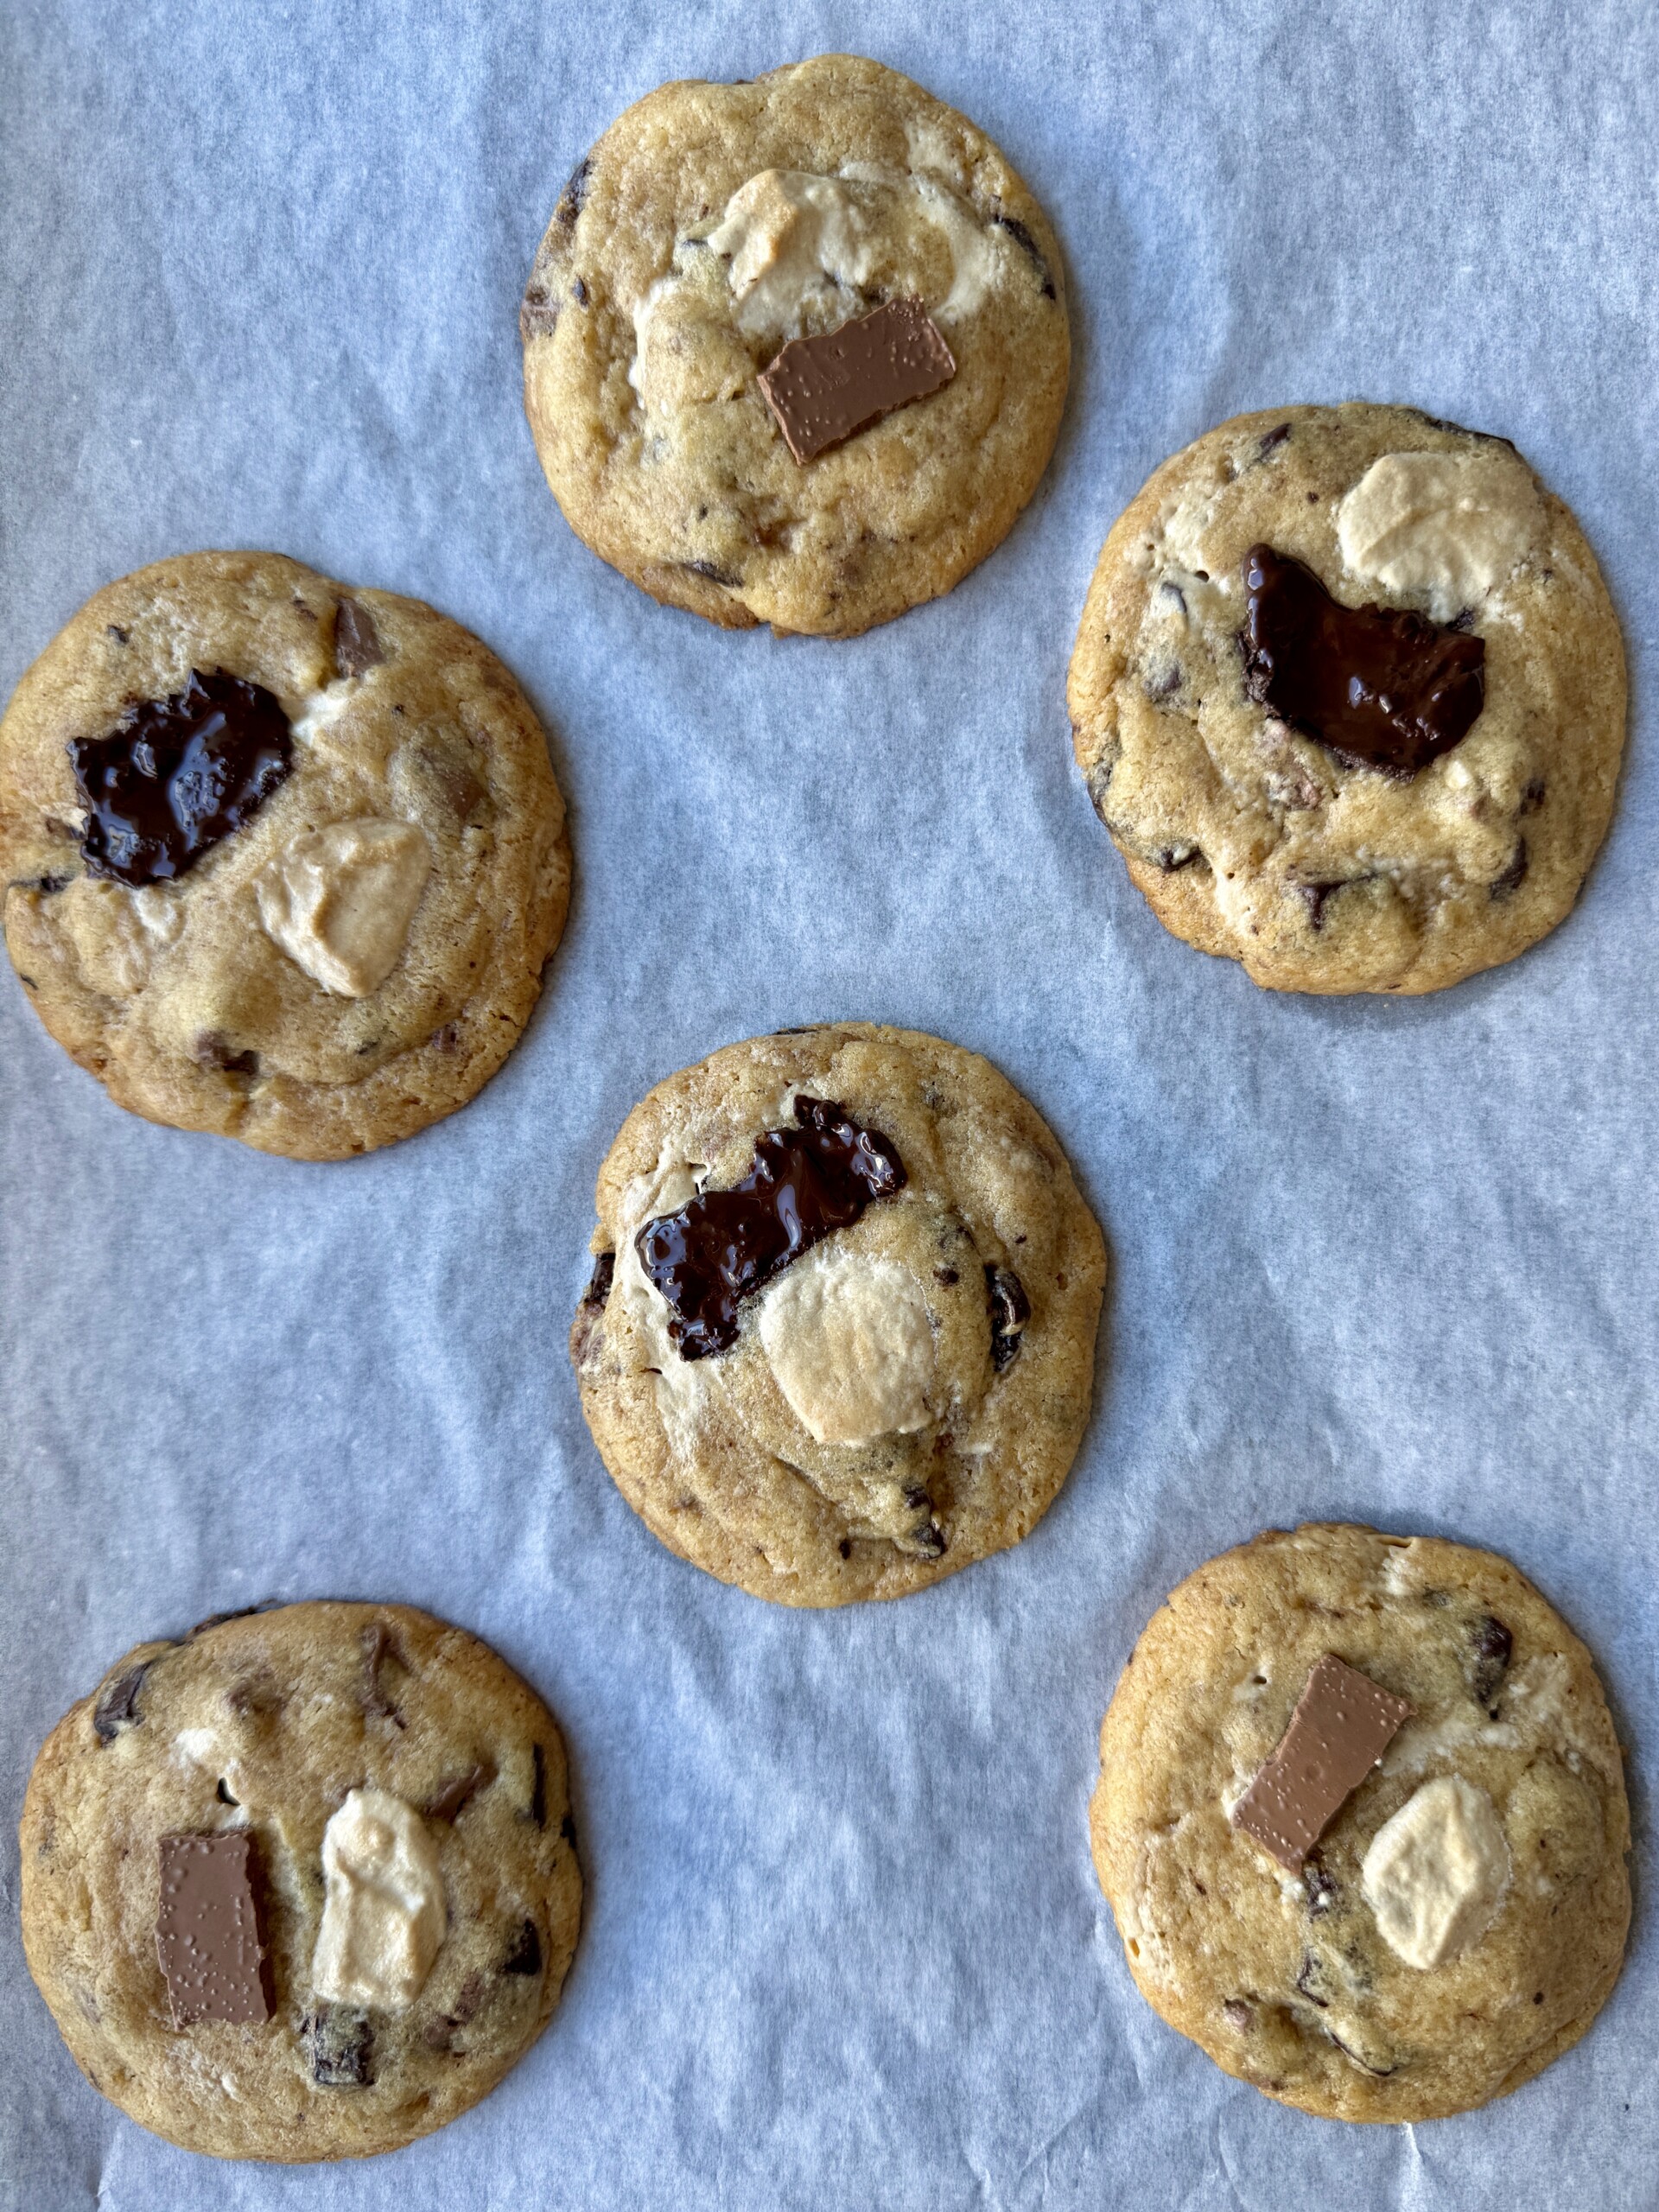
(341, 2045)
(1237, 2014)
(724, 1245)
(1380, 688)
(1322, 1888)
(378, 1649)
(599, 1283)
(538, 1809)
(706, 569)
(568, 1830)
(1022, 237)
(209, 1934)
(178, 776)
(573, 197)
(1514, 875)
(1342, 1723)
(445, 1802)
(1493, 1645)
(1316, 897)
(822, 390)
(524, 1951)
(1010, 1310)
(357, 642)
(211, 1048)
(117, 1705)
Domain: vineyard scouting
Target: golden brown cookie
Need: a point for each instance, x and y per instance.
(1382, 759)
(302, 1884)
(1438, 1934)
(283, 858)
(712, 225)
(839, 1339)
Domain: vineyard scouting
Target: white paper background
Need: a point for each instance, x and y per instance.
(259, 271)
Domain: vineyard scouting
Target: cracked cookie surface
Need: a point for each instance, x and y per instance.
(1399, 1975)
(356, 953)
(896, 1395)
(1251, 837)
(711, 223)
(263, 1726)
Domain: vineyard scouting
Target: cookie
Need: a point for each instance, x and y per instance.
(694, 442)
(283, 858)
(1380, 1941)
(839, 1336)
(1349, 694)
(302, 1883)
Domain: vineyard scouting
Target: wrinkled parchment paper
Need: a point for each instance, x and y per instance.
(260, 270)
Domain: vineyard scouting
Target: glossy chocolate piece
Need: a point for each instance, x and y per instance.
(724, 1245)
(209, 1935)
(178, 776)
(1342, 1723)
(822, 389)
(1382, 687)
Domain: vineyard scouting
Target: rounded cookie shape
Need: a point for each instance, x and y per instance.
(283, 858)
(711, 225)
(382, 1804)
(1459, 1918)
(1340, 801)
(839, 1339)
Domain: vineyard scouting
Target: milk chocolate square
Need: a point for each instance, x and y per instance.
(1341, 1727)
(209, 1930)
(822, 389)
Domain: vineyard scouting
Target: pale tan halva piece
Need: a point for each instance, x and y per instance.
(1461, 1920)
(711, 223)
(1253, 839)
(356, 959)
(405, 1795)
(885, 1414)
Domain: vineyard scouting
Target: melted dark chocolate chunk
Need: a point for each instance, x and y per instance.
(1381, 688)
(341, 2043)
(722, 1246)
(117, 1705)
(1493, 1645)
(1010, 1310)
(525, 1952)
(599, 1283)
(179, 775)
(568, 1830)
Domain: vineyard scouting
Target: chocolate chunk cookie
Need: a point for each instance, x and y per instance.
(302, 1884)
(1361, 1820)
(795, 351)
(839, 1336)
(281, 858)
(1349, 694)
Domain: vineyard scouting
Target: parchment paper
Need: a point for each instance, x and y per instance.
(260, 270)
